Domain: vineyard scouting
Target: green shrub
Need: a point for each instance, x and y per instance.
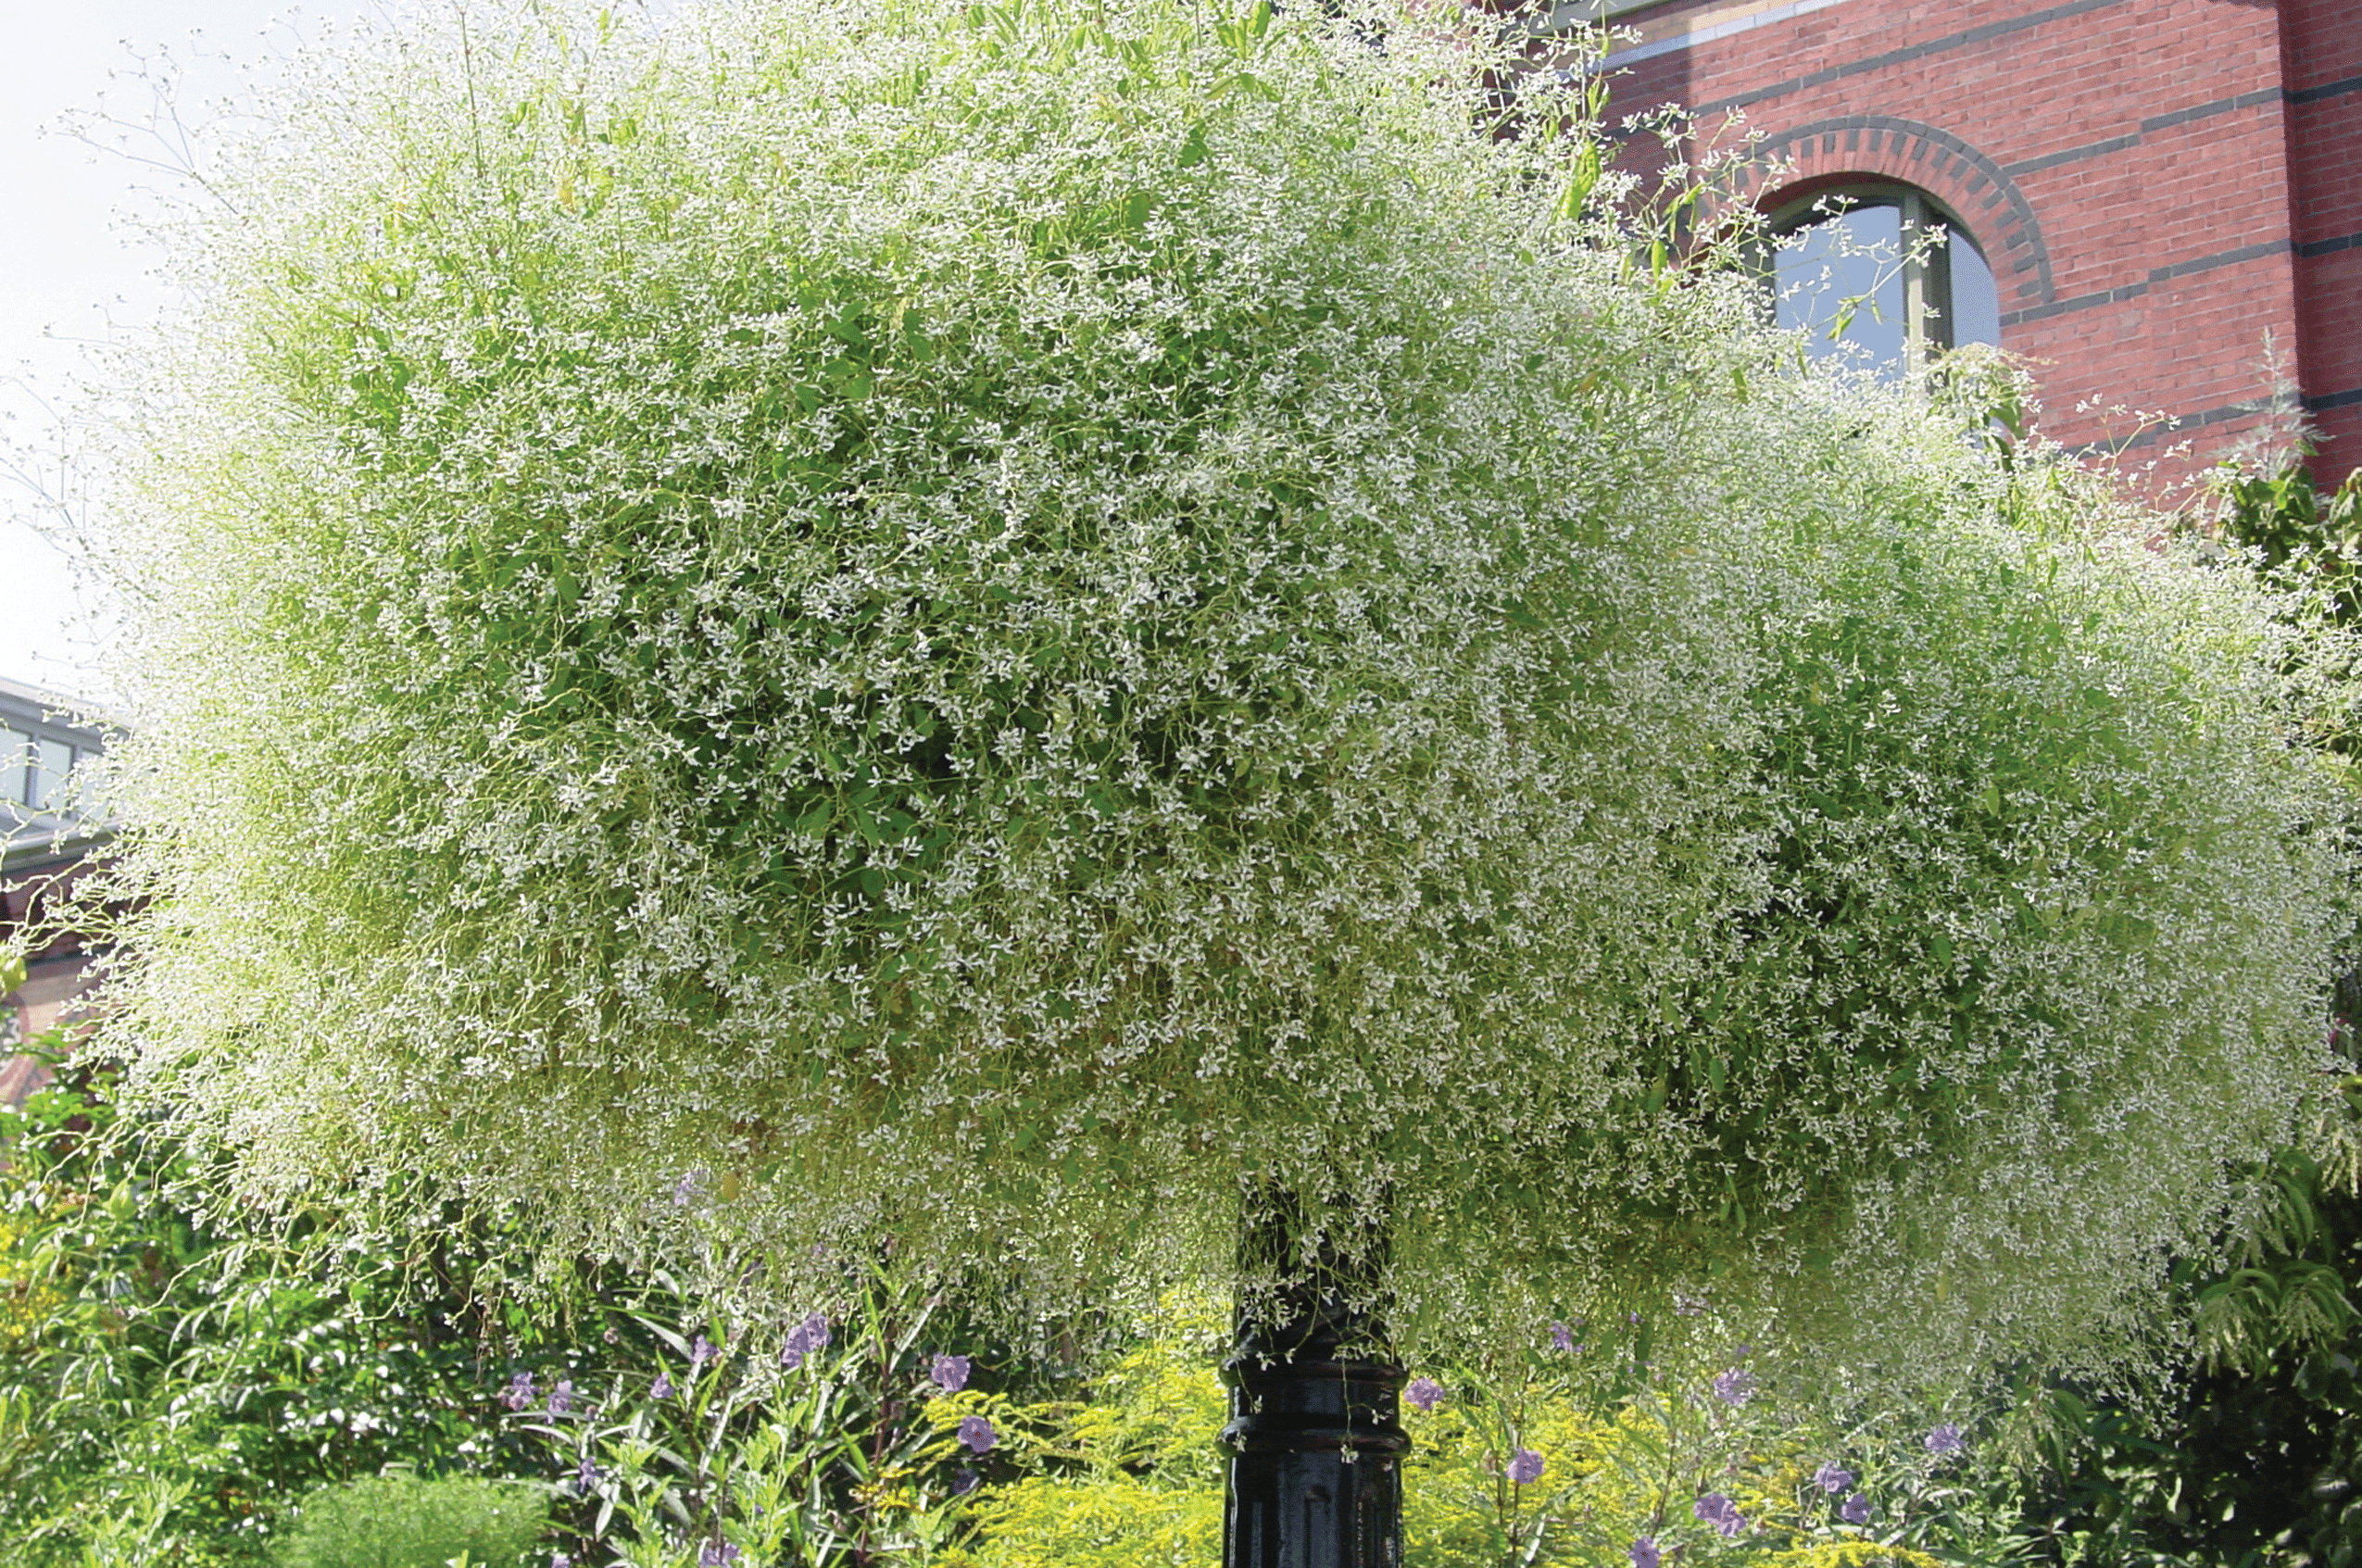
(836, 1445)
(405, 1521)
(171, 1381)
(1629, 1446)
(2256, 1455)
(1130, 1478)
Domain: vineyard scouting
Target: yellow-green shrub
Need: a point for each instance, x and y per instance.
(1130, 1477)
(27, 1297)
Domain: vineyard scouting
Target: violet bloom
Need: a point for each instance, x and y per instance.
(586, 1476)
(1735, 1386)
(717, 1554)
(1945, 1440)
(978, 1433)
(1832, 1478)
(559, 1560)
(1719, 1511)
(964, 1481)
(1644, 1552)
(561, 1396)
(701, 1351)
(1525, 1466)
(521, 1391)
(949, 1372)
(661, 1389)
(684, 1191)
(803, 1339)
(1561, 1336)
(1856, 1510)
(1425, 1392)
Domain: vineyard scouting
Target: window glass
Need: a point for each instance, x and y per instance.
(1881, 276)
(16, 758)
(52, 761)
(1976, 299)
(1841, 278)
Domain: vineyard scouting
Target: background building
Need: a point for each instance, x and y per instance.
(45, 842)
(2151, 192)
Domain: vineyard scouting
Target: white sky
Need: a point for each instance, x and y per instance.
(63, 275)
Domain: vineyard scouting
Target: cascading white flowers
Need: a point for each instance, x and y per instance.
(817, 624)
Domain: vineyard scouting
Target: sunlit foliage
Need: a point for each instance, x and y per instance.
(796, 624)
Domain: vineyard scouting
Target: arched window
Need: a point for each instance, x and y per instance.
(1879, 274)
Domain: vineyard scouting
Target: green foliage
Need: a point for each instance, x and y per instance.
(1130, 1478)
(849, 1457)
(1127, 1477)
(172, 1382)
(2305, 544)
(406, 1521)
(155, 1364)
(179, 1407)
(2252, 1460)
(2299, 531)
(934, 631)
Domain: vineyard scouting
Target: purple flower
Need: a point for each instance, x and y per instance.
(701, 1351)
(964, 1481)
(1945, 1440)
(684, 1191)
(803, 1339)
(1644, 1552)
(1735, 1386)
(561, 1396)
(978, 1433)
(1719, 1511)
(586, 1476)
(1561, 1336)
(661, 1389)
(1525, 1466)
(1832, 1478)
(949, 1372)
(1856, 1510)
(559, 1560)
(717, 1554)
(1425, 1392)
(521, 1391)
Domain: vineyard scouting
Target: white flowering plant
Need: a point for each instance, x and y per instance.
(788, 630)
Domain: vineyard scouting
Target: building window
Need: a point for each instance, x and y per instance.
(52, 763)
(16, 766)
(33, 770)
(1880, 275)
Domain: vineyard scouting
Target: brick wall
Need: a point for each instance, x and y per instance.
(2162, 186)
(2322, 60)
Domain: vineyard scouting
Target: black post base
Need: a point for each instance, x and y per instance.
(1315, 1438)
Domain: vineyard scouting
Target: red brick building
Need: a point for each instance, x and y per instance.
(2158, 187)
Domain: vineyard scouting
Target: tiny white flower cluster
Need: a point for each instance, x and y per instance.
(982, 620)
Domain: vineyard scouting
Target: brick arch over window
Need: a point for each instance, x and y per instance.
(1881, 147)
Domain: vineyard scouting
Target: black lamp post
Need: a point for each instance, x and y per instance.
(1315, 1439)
